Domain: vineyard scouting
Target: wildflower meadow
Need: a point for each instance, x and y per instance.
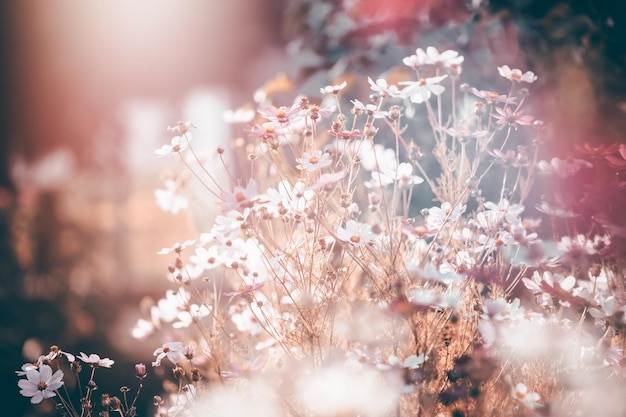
(391, 244)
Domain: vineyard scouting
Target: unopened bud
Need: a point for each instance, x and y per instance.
(179, 372)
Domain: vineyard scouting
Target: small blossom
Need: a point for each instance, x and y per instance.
(514, 119)
(178, 144)
(563, 168)
(140, 370)
(355, 234)
(40, 383)
(370, 110)
(176, 247)
(174, 351)
(381, 87)
(516, 76)
(95, 361)
(170, 199)
(421, 90)
(182, 127)
(282, 115)
(529, 399)
(241, 115)
(313, 161)
(240, 197)
(346, 134)
(491, 97)
(333, 89)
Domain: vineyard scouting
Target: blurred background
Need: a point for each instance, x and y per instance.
(88, 89)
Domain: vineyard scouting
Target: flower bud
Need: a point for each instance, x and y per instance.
(140, 370)
(394, 112)
(195, 375)
(115, 403)
(179, 372)
(189, 352)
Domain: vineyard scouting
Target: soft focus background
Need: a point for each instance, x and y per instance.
(90, 87)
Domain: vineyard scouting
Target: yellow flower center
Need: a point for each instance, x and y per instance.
(240, 197)
(355, 239)
(422, 81)
(313, 160)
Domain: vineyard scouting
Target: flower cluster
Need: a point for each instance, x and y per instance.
(45, 379)
(330, 283)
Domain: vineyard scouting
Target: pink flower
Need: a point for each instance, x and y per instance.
(492, 97)
(282, 115)
(514, 119)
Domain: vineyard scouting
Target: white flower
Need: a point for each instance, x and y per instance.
(227, 226)
(419, 91)
(403, 174)
(381, 87)
(241, 115)
(563, 168)
(170, 199)
(333, 89)
(369, 109)
(195, 313)
(377, 156)
(40, 383)
(516, 75)
(174, 351)
(95, 361)
(289, 200)
(432, 56)
(176, 247)
(313, 161)
(182, 127)
(446, 214)
(529, 399)
(241, 196)
(178, 144)
(354, 234)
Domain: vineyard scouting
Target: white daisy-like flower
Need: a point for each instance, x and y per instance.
(40, 383)
(177, 144)
(355, 234)
(421, 90)
(516, 75)
(369, 109)
(402, 174)
(381, 87)
(170, 199)
(174, 351)
(313, 161)
(333, 89)
(95, 361)
(446, 58)
(195, 313)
